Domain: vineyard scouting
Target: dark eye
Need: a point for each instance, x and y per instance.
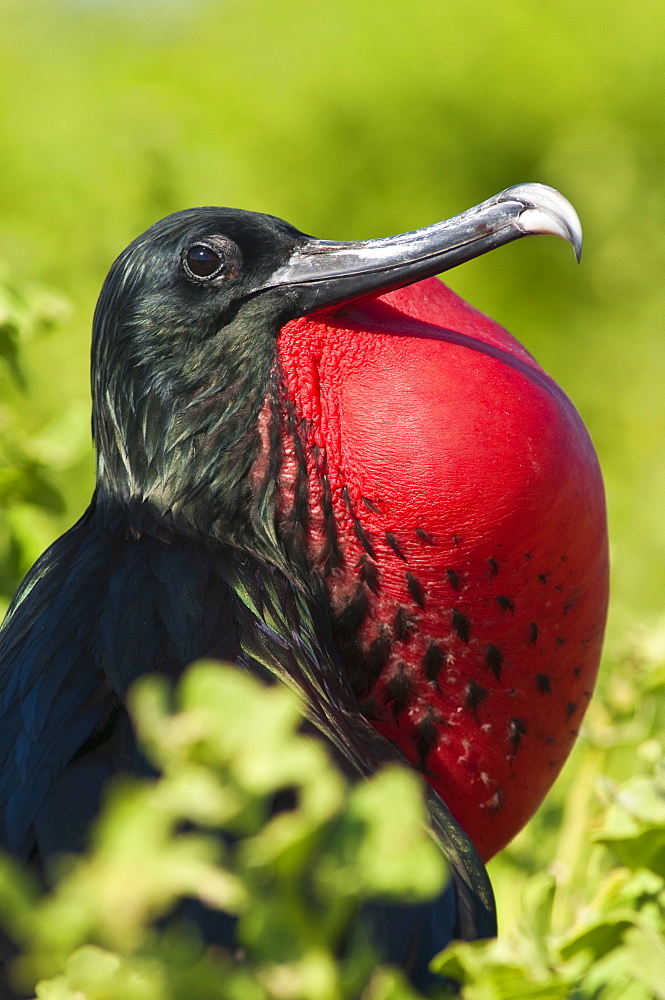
(202, 261)
(214, 256)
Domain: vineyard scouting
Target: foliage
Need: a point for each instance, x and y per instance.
(27, 489)
(294, 878)
(227, 748)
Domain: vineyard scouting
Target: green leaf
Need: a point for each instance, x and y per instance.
(634, 827)
(379, 849)
(499, 970)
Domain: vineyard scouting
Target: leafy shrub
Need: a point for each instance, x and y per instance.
(294, 880)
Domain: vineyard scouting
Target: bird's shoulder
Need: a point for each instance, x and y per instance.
(100, 607)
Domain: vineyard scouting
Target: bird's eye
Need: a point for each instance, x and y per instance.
(202, 261)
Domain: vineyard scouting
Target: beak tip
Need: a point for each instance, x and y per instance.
(546, 211)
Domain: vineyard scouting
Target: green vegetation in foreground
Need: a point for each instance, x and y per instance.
(294, 881)
(225, 747)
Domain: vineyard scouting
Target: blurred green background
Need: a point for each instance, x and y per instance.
(351, 120)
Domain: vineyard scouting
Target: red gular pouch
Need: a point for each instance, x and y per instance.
(457, 515)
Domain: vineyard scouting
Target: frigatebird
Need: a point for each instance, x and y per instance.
(368, 492)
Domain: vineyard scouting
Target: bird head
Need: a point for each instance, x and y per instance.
(183, 347)
(186, 329)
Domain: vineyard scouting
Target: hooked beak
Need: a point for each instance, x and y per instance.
(322, 273)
